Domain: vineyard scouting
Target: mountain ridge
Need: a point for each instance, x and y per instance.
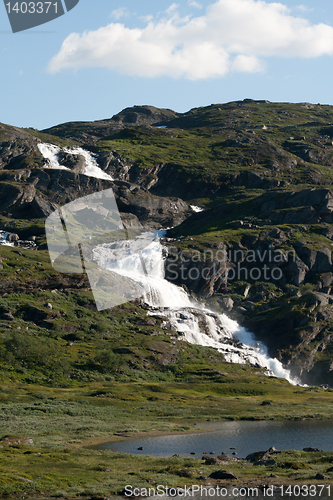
(261, 170)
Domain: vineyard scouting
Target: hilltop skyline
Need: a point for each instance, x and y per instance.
(92, 63)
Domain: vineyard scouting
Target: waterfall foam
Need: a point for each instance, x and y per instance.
(51, 154)
(191, 320)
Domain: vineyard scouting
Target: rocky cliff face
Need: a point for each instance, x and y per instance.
(261, 172)
(276, 279)
(29, 189)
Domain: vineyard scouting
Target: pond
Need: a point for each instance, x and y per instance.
(241, 437)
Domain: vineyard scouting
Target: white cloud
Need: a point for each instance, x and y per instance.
(172, 8)
(247, 64)
(232, 35)
(193, 3)
(304, 8)
(119, 13)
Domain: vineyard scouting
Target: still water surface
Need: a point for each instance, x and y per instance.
(246, 437)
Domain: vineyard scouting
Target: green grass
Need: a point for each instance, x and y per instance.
(197, 142)
(68, 383)
(63, 423)
(72, 377)
(51, 138)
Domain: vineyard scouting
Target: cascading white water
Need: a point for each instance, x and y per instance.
(3, 239)
(188, 318)
(196, 209)
(51, 153)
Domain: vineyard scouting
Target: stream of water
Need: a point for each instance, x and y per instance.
(191, 320)
(51, 154)
(145, 266)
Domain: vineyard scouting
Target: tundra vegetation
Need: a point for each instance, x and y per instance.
(72, 376)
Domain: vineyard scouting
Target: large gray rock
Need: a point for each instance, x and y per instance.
(318, 261)
(76, 163)
(309, 206)
(267, 463)
(227, 303)
(323, 263)
(296, 271)
(258, 455)
(222, 474)
(306, 254)
(13, 237)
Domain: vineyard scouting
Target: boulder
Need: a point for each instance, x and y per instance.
(323, 263)
(258, 455)
(211, 460)
(224, 457)
(34, 314)
(307, 255)
(296, 271)
(7, 316)
(153, 211)
(222, 474)
(321, 476)
(227, 303)
(267, 463)
(13, 237)
(251, 179)
(76, 163)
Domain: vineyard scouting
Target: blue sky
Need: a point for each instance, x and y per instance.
(105, 55)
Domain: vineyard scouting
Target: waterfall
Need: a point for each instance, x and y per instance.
(51, 154)
(191, 320)
(3, 239)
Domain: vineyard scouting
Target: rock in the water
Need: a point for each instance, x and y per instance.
(13, 237)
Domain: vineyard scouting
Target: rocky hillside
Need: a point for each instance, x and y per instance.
(261, 171)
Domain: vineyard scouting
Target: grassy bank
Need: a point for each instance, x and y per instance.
(72, 377)
(62, 422)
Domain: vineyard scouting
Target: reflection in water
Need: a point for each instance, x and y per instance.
(244, 436)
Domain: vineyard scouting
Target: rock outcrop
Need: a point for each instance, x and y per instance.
(259, 169)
